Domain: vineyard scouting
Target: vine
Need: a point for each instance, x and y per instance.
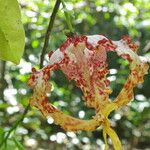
(48, 32)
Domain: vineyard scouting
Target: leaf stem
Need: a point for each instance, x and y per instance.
(48, 32)
(67, 15)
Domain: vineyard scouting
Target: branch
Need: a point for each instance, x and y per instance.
(48, 32)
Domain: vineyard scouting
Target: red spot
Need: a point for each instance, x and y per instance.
(134, 72)
(101, 92)
(126, 56)
(133, 46)
(108, 44)
(103, 41)
(33, 70)
(73, 40)
(126, 86)
(128, 40)
(89, 46)
(33, 77)
(44, 101)
(107, 82)
(130, 95)
(50, 54)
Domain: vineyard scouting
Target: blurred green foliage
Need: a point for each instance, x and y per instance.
(111, 18)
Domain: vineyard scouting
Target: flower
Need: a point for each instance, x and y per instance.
(84, 60)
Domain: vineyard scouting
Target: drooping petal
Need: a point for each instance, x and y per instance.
(138, 68)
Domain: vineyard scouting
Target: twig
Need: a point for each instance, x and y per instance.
(48, 32)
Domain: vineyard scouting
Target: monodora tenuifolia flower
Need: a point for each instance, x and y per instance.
(84, 60)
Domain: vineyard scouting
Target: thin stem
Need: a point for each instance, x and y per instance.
(15, 125)
(48, 32)
(3, 83)
(67, 15)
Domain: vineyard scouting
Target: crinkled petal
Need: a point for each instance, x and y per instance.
(84, 60)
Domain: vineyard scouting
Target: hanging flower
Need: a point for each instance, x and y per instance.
(84, 60)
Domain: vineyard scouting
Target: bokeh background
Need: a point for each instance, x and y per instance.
(110, 18)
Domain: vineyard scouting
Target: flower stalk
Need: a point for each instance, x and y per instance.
(67, 16)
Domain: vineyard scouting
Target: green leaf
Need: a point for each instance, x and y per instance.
(12, 36)
(18, 144)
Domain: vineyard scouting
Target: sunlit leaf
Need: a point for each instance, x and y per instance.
(12, 37)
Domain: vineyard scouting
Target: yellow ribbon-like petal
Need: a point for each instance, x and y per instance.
(105, 139)
(114, 137)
